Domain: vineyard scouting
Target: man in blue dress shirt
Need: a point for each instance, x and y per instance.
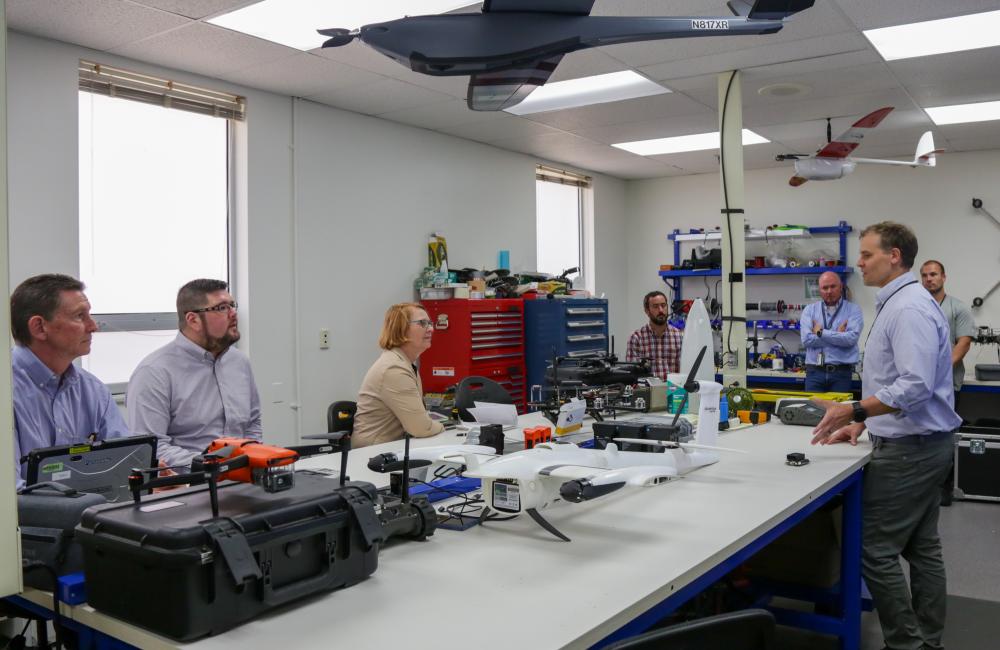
(830, 330)
(55, 403)
(908, 408)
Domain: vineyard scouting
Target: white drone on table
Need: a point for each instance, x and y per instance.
(530, 480)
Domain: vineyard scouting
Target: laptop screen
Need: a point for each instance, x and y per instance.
(101, 468)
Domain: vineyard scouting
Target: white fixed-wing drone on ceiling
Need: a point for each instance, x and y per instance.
(530, 480)
(834, 160)
(513, 46)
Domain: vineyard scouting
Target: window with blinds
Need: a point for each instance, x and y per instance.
(561, 226)
(154, 191)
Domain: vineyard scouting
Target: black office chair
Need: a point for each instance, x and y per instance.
(340, 417)
(478, 389)
(749, 629)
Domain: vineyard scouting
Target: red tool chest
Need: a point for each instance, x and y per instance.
(476, 337)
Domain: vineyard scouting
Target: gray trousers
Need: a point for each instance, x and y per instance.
(901, 499)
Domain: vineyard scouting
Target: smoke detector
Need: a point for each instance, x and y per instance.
(784, 90)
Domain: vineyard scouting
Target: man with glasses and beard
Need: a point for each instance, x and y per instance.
(657, 340)
(197, 387)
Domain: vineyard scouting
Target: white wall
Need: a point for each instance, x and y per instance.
(936, 203)
(336, 210)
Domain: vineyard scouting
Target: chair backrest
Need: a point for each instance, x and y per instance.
(340, 416)
(478, 389)
(749, 629)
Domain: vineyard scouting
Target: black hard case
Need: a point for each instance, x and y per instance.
(180, 573)
(48, 513)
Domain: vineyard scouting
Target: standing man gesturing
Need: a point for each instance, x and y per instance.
(908, 407)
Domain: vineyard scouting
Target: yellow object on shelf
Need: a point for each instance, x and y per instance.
(768, 396)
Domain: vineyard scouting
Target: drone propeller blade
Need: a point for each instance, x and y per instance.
(669, 444)
(690, 384)
(338, 36)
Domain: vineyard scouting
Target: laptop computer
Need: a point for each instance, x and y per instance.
(101, 468)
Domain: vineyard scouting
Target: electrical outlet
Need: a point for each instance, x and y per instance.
(324, 339)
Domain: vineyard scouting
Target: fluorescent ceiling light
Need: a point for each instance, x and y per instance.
(294, 22)
(961, 113)
(585, 91)
(696, 142)
(937, 36)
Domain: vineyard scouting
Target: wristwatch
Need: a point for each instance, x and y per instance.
(859, 413)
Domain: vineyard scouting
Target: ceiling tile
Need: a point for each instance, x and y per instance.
(97, 24)
(361, 56)
(383, 96)
(943, 68)
(197, 8)
(205, 49)
(640, 109)
(586, 63)
(301, 75)
(703, 122)
(761, 55)
(866, 14)
(841, 106)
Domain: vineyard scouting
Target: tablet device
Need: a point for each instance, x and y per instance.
(101, 467)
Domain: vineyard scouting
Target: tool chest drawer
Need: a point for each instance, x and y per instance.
(475, 337)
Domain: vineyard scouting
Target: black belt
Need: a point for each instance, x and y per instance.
(915, 439)
(831, 367)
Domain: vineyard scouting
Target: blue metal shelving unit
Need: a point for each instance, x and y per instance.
(674, 277)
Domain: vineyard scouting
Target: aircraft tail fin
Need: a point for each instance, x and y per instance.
(768, 9)
(926, 155)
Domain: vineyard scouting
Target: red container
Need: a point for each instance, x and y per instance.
(476, 337)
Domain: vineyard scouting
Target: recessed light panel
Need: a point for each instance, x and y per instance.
(957, 34)
(294, 22)
(962, 113)
(681, 143)
(585, 91)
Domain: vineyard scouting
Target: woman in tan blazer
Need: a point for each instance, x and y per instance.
(391, 401)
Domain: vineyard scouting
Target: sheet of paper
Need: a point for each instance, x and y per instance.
(489, 413)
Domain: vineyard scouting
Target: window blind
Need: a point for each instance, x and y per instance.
(553, 175)
(116, 82)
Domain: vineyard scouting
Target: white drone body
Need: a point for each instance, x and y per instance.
(531, 480)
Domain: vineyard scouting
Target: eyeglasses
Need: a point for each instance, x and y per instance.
(423, 322)
(221, 307)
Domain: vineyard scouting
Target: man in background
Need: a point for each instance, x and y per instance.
(657, 340)
(198, 387)
(830, 330)
(56, 403)
(961, 328)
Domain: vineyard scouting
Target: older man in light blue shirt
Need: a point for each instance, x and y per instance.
(908, 408)
(55, 403)
(198, 387)
(830, 329)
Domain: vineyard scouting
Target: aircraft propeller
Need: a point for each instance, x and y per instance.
(338, 36)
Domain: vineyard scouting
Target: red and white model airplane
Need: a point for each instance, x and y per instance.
(834, 160)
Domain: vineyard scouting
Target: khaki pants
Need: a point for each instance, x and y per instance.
(901, 500)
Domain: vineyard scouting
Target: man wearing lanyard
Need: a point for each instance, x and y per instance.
(830, 329)
(908, 407)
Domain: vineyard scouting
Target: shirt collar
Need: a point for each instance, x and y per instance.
(193, 348)
(883, 294)
(39, 373)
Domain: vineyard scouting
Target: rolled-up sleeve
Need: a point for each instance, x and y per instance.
(915, 368)
(400, 394)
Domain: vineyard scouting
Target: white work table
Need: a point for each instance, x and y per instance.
(511, 584)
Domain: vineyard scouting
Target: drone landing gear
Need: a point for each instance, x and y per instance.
(541, 521)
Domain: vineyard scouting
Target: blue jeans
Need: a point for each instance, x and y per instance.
(818, 380)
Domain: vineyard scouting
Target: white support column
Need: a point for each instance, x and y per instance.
(733, 293)
(10, 538)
